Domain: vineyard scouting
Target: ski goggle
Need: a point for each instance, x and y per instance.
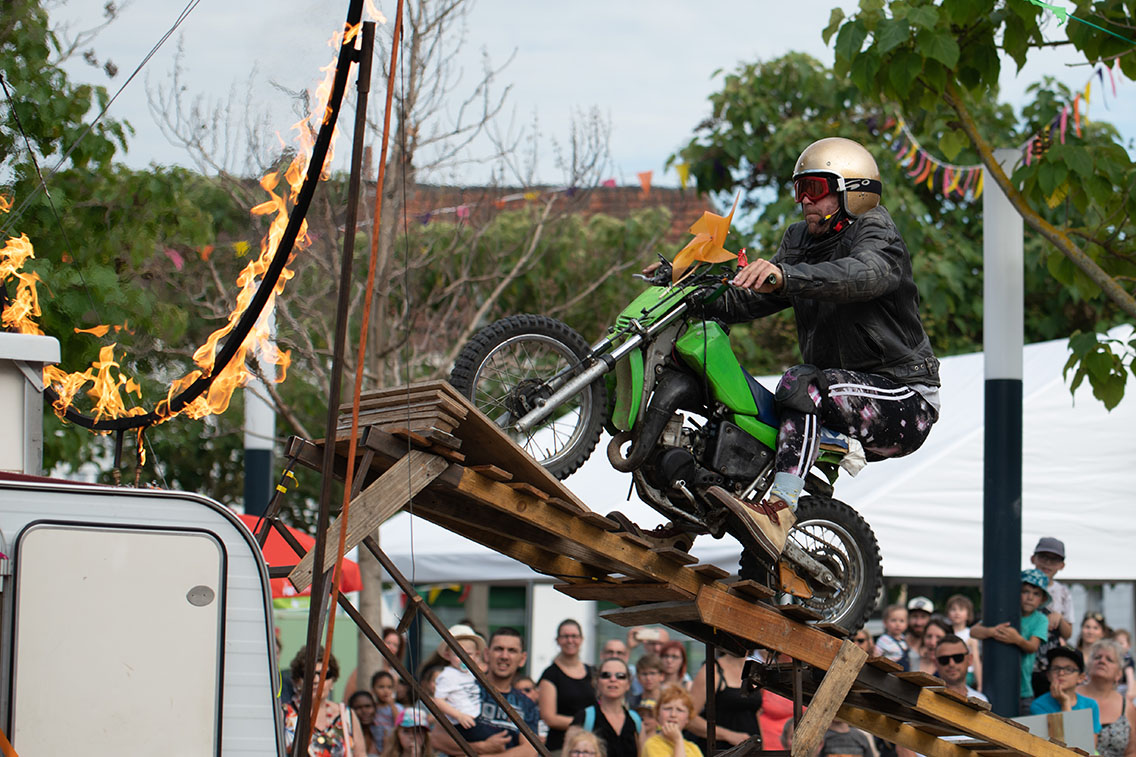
(813, 187)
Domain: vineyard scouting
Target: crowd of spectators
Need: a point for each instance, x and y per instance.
(653, 707)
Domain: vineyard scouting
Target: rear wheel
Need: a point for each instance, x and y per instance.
(837, 537)
(511, 366)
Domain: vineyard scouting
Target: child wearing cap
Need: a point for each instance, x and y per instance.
(412, 737)
(456, 690)
(1033, 633)
(1066, 668)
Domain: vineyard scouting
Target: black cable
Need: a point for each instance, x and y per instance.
(14, 217)
(268, 281)
(47, 194)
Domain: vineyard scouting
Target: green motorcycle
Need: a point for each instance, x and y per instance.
(684, 416)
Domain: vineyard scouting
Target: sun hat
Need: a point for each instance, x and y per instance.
(412, 717)
(462, 631)
(1035, 577)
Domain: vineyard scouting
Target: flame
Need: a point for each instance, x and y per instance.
(107, 383)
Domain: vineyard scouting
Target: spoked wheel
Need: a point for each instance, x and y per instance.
(836, 537)
(508, 368)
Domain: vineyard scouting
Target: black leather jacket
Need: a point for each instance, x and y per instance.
(854, 298)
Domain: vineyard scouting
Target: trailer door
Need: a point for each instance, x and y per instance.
(118, 641)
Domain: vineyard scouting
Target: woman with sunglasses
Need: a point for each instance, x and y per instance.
(620, 729)
(869, 371)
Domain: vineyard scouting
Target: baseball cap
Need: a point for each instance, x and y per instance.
(1068, 652)
(412, 717)
(921, 604)
(1052, 545)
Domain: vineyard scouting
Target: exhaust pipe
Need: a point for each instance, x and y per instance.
(672, 391)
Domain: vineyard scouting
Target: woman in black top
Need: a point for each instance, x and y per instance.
(609, 718)
(565, 685)
(735, 710)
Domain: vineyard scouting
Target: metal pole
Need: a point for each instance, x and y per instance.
(319, 594)
(711, 704)
(1003, 330)
(260, 432)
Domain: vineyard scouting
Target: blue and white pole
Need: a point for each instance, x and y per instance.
(260, 430)
(1003, 337)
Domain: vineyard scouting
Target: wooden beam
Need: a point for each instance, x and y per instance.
(829, 696)
(375, 504)
(657, 612)
(624, 593)
(589, 542)
(985, 726)
(766, 627)
(901, 733)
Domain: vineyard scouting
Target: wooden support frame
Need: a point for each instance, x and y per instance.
(492, 493)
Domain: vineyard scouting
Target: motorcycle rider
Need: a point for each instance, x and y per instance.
(868, 370)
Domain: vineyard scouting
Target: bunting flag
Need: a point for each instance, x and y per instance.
(645, 181)
(683, 174)
(963, 182)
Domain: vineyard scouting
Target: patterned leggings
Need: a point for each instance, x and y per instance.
(889, 419)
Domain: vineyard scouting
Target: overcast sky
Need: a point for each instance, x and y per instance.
(647, 65)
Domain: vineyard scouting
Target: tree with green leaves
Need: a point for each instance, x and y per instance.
(760, 120)
(941, 63)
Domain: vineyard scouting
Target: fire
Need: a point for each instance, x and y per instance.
(109, 387)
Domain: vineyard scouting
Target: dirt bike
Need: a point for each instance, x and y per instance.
(667, 382)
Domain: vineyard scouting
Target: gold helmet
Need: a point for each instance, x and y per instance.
(846, 167)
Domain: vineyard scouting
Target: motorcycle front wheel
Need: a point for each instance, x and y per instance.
(837, 537)
(510, 366)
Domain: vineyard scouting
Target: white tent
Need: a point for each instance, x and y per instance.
(926, 509)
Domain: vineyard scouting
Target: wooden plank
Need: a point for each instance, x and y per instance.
(442, 439)
(527, 488)
(886, 665)
(834, 629)
(920, 679)
(766, 627)
(677, 555)
(986, 726)
(710, 570)
(901, 733)
(599, 521)
(408, 396)
(624, 593)
(749, 588)
(587, 542)
(658, 612)
(450, 454)
(484, 442)
(799, 613)
(568, 506)
(375, 504)
(410, 436)
(837, 681)
(493, 472)
(1055, 722)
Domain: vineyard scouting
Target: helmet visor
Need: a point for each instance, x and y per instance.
(813, 187)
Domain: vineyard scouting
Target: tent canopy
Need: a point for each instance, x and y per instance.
(925, 509)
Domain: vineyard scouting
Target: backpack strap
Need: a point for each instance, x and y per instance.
(638, 721)
(589, 717)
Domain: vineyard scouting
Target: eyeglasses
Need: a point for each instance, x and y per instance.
(1048, 557)
(569, 636)
(607, 674)
(671, 656)
(812, 187)
(1062, 670)
(946, 659)
(581, 753)
(1098, 617)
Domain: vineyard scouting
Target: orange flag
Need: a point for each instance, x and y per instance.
(709, 235)
(645, 181)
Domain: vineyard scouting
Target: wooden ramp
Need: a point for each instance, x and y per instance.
(427, 442)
